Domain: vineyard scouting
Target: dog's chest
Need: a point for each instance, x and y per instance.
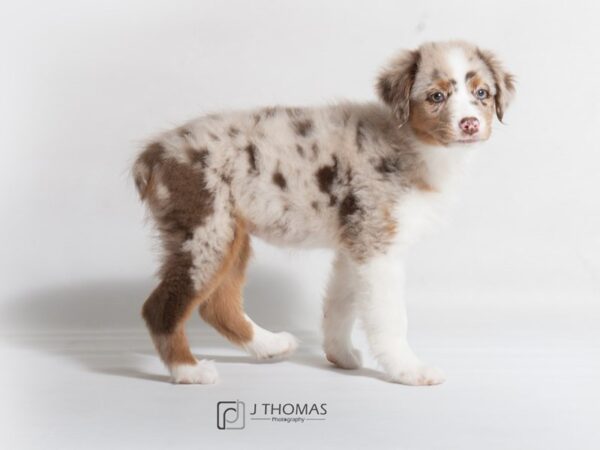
(416, 213)
(419, 211)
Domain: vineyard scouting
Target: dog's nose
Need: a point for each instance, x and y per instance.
(469, 125)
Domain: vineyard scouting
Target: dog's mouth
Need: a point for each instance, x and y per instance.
(465, 140)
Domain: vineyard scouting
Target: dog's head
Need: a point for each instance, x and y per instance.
(447, 92)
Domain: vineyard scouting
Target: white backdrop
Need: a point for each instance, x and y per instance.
(506, 297)
(83, 83)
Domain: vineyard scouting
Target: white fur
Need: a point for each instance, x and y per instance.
(339, 313)
(375, 289)
(383, 313)
(203, 372)
(162, 192)
(460, 102)
(266, 345)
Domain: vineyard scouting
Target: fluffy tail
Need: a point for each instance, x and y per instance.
(144, 168)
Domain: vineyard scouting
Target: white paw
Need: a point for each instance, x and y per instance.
(267, 345)
(344, 357)
(420, 375)
(203, 372)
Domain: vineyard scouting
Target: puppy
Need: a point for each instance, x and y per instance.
(365, 180)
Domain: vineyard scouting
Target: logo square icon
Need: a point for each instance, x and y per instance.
(231, 415)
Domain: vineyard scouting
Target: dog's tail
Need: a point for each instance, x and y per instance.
(145, 166)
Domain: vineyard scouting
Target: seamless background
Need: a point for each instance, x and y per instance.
(516, 270)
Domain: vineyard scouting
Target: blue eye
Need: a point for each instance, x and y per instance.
(437, 97)
(482, 94)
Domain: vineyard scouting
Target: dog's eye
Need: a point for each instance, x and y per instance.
(482, 94)
(437, 97)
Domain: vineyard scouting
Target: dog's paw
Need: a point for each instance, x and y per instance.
(345, 358)
(420, 375)
(203, 372)
(267, 345)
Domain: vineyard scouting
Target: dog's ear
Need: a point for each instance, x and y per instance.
(504, 81)
(395, 83)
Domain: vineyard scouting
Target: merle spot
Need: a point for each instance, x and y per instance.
(387, 165)
(251, 150)
(280, 180)
(198, 156)
(348, 207)
(302, 127)
(326, 176)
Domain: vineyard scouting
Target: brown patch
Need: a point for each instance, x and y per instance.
(224, 309)
(251, 150)
(445, 85)
(422, 185)
(173, 348)
(431, 123)
(315, 206)
(227, 179)
(302, 127)
(476, 82)
(168, 303)
(390, 227)
(213, 136)
(388, 165)
(143, 168)
(470, 74)
(300, 150)
(171, 303)
(504, 81)
(349, 175)
(348, 207)
(190, 201)
(326, 176)
(396, 81)
(198, 156)
(280, 180)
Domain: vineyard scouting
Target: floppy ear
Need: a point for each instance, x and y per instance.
(505, 81)
(395, 83)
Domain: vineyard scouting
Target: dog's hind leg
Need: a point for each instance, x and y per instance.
(190, 277)
(224, 311)
(201, 242)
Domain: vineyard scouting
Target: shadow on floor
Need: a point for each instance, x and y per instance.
(271, 299)
(84, 322)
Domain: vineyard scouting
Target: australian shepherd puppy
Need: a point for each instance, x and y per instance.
(362, 179)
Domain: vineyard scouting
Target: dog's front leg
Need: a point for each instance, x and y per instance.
(383, 312)
(339, 313)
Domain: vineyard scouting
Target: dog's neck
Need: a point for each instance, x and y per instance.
(443, 166)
